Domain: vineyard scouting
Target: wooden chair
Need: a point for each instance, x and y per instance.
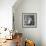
(29, 43)
(18, 39)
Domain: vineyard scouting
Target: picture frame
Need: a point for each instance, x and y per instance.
(29, 20)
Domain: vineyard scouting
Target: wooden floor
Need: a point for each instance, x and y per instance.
(9, 43)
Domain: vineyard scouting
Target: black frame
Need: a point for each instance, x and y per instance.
(29, 15)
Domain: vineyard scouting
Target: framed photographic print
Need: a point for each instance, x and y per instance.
(29, 20)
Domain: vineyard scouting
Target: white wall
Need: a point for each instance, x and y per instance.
(43, 22)
(28, 6)
(6, 13)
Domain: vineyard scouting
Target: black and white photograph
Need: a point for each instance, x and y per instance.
(29, 20)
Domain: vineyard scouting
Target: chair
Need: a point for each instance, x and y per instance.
(18, 39)
(29, 43)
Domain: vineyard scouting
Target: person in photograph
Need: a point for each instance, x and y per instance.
(30, 20)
